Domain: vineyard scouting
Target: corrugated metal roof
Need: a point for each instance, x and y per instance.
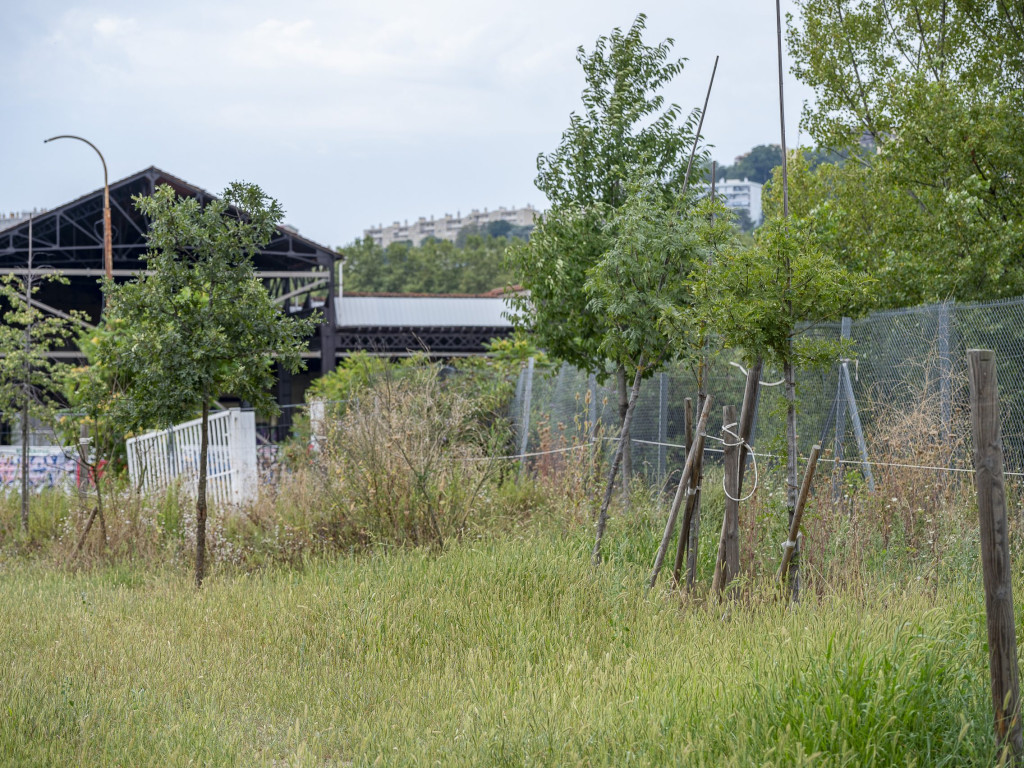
(421, 312)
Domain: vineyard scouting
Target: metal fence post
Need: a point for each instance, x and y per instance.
(840, 406)
(527, 396)
(592, 415)
(858, 431)
(945, 370)
(662, 424)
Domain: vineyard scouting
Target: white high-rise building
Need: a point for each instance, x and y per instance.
(742, 195)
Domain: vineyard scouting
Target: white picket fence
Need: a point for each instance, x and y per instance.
(158, 459)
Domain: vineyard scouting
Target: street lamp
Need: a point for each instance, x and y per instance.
(108, 254)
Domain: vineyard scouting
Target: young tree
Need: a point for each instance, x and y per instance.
(29, 377)
(644, 289)
(200, 324)
(764, 300)
(625, 128)
(96, 418)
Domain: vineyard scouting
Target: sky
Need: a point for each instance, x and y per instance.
(350, 113)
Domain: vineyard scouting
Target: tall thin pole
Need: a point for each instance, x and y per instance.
(782, 114)
(26, 387)
(108, 247)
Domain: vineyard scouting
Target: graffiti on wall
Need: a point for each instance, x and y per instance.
(45, 470)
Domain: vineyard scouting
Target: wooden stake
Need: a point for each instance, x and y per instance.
(995, 548)
(727, 564)
(791, 545)
(695, 450)
(684, 529)
(751, 392)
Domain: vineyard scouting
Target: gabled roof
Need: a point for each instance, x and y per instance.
(70, 235)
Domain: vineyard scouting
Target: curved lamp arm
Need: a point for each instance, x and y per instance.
(108, 258)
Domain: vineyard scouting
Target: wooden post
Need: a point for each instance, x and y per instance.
(695, 450)
(791, 547)
(995, 547)
(727, 564)
(684, 529)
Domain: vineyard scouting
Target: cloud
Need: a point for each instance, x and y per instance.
(115, 26)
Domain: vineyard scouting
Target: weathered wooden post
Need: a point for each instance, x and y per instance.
(995, 547)
(727, 564)
(685, 528)
(791, 546)
(691, 459)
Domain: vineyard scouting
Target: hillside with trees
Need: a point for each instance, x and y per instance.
(474, 263)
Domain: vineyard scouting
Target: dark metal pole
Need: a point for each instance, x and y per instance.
(26, 388)
(782, 114)
(108, 247)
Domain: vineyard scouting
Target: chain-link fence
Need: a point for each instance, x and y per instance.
(905, 362)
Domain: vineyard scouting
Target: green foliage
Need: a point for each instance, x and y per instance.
(474, 265)
(625, 134)
(756, 165)
(764, 300)
(486, 381)
(937, 210)
(94, 394)
(406, 461)
(200, 324)
(28, 376)
(641, 286)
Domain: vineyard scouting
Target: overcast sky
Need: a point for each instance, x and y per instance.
(349, 113)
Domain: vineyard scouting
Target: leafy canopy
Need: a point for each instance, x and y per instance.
(435, 266)
(28, 375)
(199, 324)
(642, 284)
(625, 134)
(926, 98)
(766, 300)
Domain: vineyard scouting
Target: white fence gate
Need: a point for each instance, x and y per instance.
(157, 459)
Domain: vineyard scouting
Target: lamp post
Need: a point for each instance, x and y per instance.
(108, 252)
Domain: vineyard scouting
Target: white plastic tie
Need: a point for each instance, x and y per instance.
(728, 429)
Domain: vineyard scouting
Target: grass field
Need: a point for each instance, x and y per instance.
(505, 651)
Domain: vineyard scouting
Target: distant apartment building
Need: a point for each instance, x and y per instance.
(447, 227)
(742, 195)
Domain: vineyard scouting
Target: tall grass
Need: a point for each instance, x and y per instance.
(511, 651)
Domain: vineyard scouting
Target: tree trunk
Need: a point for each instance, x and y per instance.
(627, 446)
(791, 477)
(99, 503)
(204, 443)
(602, 518)
(24, 465)
(85, 531)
